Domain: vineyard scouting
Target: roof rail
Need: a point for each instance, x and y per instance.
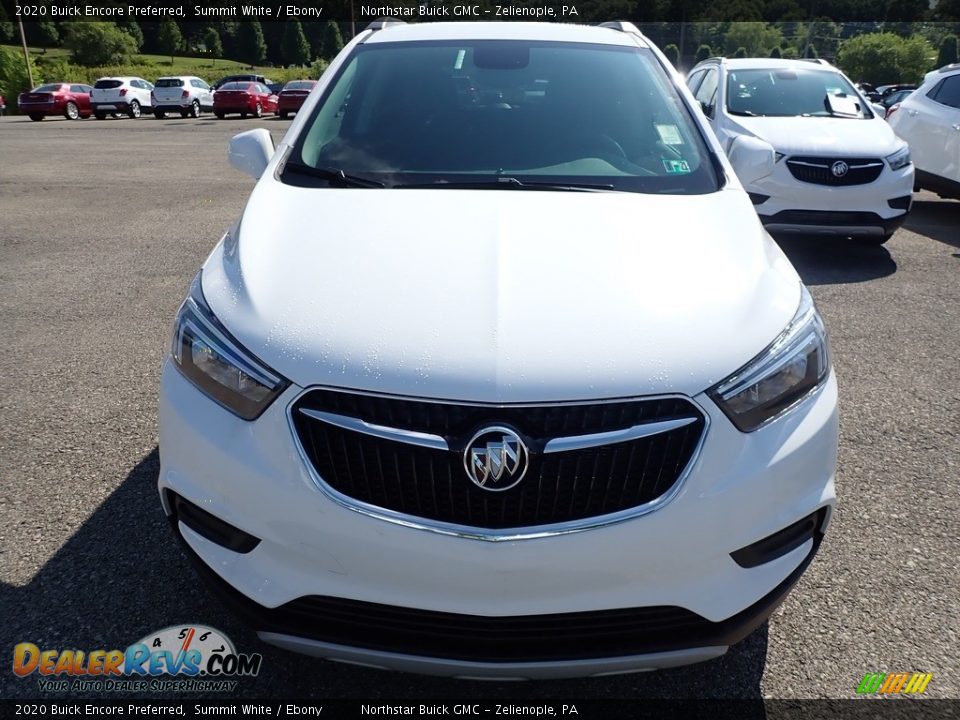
(622, 26)
(949, 68)
(384, 22)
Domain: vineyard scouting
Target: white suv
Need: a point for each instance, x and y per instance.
(113, 95)
(930, 121)
(186, 95)
(559, 406)
(840, 169)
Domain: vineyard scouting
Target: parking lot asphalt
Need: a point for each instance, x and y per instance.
(102, 227)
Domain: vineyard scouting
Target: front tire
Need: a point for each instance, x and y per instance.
(36, 118)
(134, 110)
(71, 111)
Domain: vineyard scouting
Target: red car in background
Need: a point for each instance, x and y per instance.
(292, 96)
(246, 98)
(72, 100)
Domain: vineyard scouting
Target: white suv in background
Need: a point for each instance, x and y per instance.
(112, 95)
(839, 169)
(187, 95)
(930, 121)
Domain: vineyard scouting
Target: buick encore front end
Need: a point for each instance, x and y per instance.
(498, 374)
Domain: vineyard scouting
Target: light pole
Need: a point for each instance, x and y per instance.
(26, 55)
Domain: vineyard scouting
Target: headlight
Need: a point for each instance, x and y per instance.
(794, 365)
(900, 159)
(217, 364)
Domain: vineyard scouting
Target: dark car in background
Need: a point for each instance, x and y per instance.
(247, 77)
(292, 96)
(72, 100)
(246, 98)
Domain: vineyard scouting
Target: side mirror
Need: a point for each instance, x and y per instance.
(250, 151)
(752, 158)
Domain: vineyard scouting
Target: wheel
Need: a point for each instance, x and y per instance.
(283, 114)
(220, 114)
(71, 111)
(100, 115)
(134, 110)
(36, 118)
(195, 109)
(258, 111)
(159, 114)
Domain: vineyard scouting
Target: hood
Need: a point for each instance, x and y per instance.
(844, 137)
(500, 295)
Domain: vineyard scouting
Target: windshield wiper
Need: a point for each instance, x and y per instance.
(511, 183)
(335, 176)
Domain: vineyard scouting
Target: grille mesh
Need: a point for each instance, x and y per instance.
(558, 487)
(818, 171)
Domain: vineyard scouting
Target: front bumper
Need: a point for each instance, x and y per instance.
(675, 561)
(786, 204)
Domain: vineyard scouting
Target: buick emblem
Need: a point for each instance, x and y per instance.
(496, 459)
(839, 168)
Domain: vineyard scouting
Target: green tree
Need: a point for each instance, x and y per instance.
(132, 28)
(169, 39)
(741, 52)
(98, 43)
(673, 54)
(331, 42)
(251, 45)
(810, 52)
(211, 39)
(13, 74)
(294, 48)
(318, 68)
(882, 58)
(948, 51)
(775, 53)
(43, 34)
(6, 27)
(756, 38)
(703, 52)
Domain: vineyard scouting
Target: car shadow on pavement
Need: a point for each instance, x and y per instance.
(937, 220)
(836, 261)
(122, 575)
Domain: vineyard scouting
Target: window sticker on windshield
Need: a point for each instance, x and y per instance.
(669, 134)
(675, 167)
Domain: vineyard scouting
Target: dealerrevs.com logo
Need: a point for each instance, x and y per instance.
(177, 658)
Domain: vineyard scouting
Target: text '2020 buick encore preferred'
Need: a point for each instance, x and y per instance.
(498, 375)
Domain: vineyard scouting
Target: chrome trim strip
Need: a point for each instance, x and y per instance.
(503, 534)
(411, 437)
(829, 164)
(582, 442)
(491, 671)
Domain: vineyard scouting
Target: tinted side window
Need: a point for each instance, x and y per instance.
(948, 92)
(707, 92)
(78, 89)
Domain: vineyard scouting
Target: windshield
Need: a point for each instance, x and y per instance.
(793, 92)
(507, 114)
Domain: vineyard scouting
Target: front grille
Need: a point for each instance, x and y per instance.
(559, 487)
(817, 170)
